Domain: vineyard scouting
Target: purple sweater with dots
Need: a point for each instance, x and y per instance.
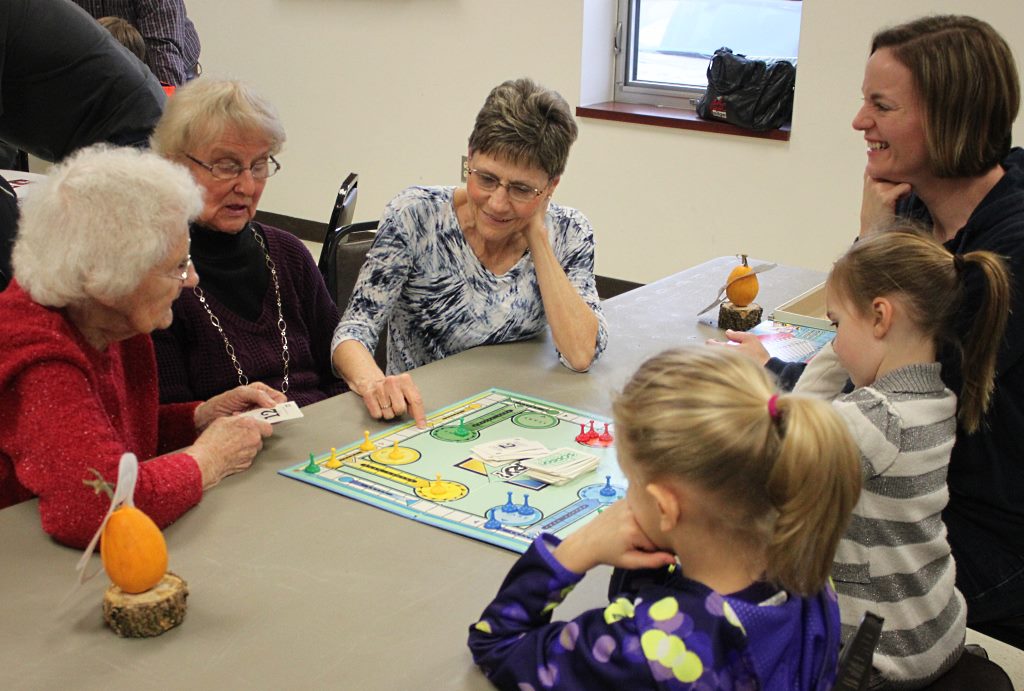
(660, 631)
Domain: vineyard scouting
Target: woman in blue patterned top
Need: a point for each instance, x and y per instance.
(492, 262)
(737, 499)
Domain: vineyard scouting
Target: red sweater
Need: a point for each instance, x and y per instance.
(67, 407)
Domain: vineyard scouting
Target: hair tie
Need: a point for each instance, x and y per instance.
(773, 410)
(959, 263)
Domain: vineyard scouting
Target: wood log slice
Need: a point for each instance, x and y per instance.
(737, 318)
(149, 613)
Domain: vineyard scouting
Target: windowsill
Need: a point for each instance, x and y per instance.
(671, 117)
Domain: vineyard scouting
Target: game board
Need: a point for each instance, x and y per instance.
(432, 475)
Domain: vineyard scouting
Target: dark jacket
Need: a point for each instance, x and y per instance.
(65, 82)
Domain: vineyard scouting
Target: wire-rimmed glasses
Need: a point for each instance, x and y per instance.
(228, 169)
(517, 191)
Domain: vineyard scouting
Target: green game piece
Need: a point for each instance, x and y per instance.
(312, 468)
(462, 430)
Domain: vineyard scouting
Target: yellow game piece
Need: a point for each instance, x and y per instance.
(436, 487)
(395, 453)
(333, 461)
(367, 445)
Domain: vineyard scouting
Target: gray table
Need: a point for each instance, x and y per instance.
(295, 587)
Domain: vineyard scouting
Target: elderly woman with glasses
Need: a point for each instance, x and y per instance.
(102, 253)
(492, 262)
(261, 311)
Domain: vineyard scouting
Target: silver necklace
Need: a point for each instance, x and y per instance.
(285, 356)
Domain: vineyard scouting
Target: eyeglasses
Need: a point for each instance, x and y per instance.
(180, 272)
(517, 191)
(227, 169)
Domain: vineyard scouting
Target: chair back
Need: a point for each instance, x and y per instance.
(855, 661)
(345, 203)
(341, 258)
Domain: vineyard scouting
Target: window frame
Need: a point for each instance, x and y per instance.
(627, 16)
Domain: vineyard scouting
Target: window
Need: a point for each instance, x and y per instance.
(663, 46)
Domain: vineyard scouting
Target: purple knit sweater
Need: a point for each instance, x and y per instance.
(191, 357)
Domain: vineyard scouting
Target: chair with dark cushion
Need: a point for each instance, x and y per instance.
(341, 258)
(975, 672)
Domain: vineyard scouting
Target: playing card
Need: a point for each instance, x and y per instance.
(560, 458)
(289, 410)
(561, 465)
(512, 448)
(522, 455)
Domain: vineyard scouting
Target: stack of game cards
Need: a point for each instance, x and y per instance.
(561, 465)
(513, 449)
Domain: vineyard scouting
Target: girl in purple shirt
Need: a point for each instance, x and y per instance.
(723, 545)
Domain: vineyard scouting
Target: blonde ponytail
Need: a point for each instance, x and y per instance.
(814, 485)
(791, 475)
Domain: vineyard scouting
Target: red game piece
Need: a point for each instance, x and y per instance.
(592, 433)
(607, 436)
(582, 437)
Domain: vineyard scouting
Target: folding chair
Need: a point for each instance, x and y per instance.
(344, 204)
(341, 258)
(855, 660)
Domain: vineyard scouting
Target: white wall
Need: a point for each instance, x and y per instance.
(389, 88)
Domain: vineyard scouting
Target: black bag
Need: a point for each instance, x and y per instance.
(755, 94)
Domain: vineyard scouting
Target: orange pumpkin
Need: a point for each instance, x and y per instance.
(133, 550)
(742, 286)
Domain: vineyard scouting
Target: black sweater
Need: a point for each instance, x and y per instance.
(986, 472)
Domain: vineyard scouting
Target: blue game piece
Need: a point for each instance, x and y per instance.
(492, 522)
(526, 509)
(510, 506)
(608, 490)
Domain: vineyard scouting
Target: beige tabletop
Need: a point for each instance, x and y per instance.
(21, 182)
(292, 586)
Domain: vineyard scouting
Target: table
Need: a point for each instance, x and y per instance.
(21, 182)
(295, 587)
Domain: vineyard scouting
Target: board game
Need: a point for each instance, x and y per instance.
(432, 475)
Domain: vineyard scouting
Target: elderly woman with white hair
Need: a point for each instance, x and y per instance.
(262, 311)
(102, 252)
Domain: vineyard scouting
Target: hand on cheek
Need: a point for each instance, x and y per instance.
(615, 538)
(536, 226)
(878, 203)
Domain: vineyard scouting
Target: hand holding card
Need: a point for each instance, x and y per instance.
(289, 410)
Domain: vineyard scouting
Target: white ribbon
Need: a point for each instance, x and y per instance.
(760, 268)
(124, 492)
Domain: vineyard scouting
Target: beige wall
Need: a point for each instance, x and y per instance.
(389, 88)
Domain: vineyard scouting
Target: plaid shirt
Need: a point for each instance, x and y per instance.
(172, 44)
